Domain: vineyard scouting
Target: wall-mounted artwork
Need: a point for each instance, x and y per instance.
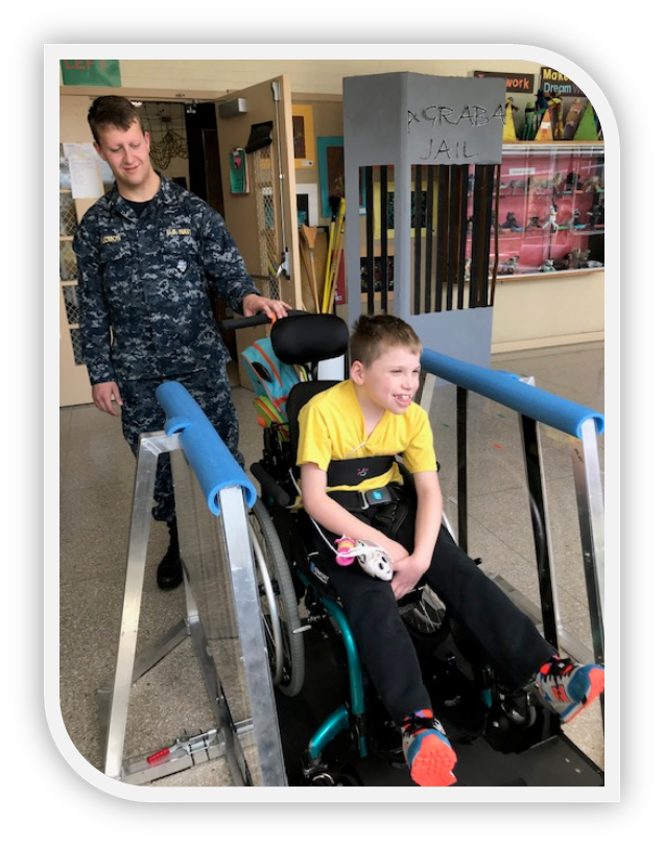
(303, 136)
(331, 173)
(307, 204)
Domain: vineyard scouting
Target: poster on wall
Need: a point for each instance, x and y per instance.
(307, 204)
(303, 136)
(330, 171)
(102, 72)
(558, 85)
(84, 171)
(331, 174)
(515, 83)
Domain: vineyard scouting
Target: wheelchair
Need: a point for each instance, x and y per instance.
(306, 626)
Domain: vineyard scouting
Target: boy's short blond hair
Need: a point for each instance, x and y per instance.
(373, 335)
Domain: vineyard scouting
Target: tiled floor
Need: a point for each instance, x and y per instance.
(97, 477)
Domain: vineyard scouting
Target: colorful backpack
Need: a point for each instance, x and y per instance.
(271, 381)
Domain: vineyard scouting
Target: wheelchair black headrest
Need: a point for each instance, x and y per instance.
(309, 338)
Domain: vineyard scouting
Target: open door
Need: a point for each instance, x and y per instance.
(255, 131)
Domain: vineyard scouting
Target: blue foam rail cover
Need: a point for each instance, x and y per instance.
(507, 389)
(209, 457)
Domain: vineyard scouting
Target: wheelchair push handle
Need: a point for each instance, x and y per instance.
(234, 323)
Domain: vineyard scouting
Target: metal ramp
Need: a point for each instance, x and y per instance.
(260, 735)
(553, 761)
(222, 616)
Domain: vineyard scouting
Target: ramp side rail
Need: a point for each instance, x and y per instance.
(200, 457)
(535, 406)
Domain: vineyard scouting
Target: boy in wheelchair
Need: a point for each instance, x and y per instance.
(364, 422)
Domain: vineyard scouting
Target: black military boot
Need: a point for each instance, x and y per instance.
(169, 571)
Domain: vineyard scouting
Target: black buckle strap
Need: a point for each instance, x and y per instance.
(362, 500)
(353, 471)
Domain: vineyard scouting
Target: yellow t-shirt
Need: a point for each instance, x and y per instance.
(332, 428)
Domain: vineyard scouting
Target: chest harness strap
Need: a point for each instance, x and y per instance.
(353, 471)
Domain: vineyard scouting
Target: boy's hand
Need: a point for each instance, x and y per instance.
(407, 573)
(396, 552)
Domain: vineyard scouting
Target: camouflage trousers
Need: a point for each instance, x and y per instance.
(142, 413)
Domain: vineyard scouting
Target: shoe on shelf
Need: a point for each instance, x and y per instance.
(567, 687)
(169, 571)
(427, 750)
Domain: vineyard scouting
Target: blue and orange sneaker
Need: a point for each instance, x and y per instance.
(567, 687)
(427, 750)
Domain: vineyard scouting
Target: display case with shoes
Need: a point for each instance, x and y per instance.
(550, 204)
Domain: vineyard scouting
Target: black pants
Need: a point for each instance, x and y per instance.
(503, 633)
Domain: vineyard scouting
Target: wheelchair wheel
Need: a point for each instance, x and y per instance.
(281, 620)
(518, 708)
(427, 619)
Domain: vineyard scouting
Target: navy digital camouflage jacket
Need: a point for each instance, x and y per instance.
(145, 308)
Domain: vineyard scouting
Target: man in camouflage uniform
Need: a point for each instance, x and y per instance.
(147, 253)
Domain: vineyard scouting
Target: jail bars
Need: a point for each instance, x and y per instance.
(453, 213)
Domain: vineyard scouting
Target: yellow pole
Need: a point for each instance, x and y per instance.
(330, 275)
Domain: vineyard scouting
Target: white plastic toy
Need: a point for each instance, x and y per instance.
(371, 557)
